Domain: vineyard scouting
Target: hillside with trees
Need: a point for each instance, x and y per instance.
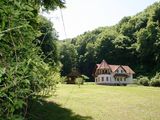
(134, 41)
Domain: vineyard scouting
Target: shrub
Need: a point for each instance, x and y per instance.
(63, 80)
(155, 81)
(79, 81)
(143, 81)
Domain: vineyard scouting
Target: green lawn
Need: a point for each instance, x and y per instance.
(97, 102)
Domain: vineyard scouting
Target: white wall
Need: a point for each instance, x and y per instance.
(105, 80)
(130, 78)
(111, 79)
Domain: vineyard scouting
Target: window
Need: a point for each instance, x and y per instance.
(118, 71)
(124, 79)
(106, 78)
(121, 71)
(102, 79)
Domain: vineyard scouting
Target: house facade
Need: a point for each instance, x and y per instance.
(113, 74)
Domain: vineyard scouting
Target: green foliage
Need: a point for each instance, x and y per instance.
(143, 81)
(51, 4)
(155, 81)
(79, 81)
(68, 57)
(63, 79)
(47, 40)
(85, 77)
(24, 73)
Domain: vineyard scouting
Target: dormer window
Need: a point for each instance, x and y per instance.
(117, 71)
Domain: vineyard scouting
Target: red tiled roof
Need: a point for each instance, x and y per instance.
(114, 67)
(104, 64)
(97, 65)
(128, 69)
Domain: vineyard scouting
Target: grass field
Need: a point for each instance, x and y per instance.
(97, 102)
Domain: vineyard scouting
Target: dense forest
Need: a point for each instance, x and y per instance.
(134, 41)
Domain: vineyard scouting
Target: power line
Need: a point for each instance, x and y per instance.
(63, 24)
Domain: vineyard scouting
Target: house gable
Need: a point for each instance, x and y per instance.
(102, 68)
(128, 69)
(103, 65)
(120, 69)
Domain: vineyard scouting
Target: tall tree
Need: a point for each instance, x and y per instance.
(47, 40)
(23, 72)
(68, 57)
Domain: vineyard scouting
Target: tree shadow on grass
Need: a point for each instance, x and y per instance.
(45, 110)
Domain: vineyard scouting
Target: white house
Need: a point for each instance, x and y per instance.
(113, 74)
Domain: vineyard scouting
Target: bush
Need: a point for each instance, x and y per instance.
(63, 80)
(143, 81)
(79, 81)
(155, 81)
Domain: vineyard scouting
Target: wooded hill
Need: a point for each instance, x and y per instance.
(134, 41)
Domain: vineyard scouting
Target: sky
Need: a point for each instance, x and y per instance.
(80, 16)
